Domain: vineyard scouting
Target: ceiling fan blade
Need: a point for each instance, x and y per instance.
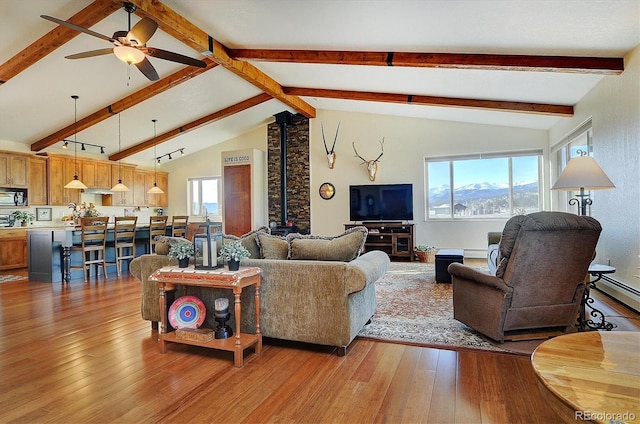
(77, 28)
(90, 53)
(174, 57)
(142, 31)
(148, 70)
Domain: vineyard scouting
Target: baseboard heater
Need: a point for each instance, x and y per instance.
(630, 291)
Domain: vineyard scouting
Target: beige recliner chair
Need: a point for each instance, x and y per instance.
(539, 282)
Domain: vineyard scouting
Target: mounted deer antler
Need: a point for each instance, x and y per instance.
(372, 165)
(331, 155)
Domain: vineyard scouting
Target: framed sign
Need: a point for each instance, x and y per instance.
(43, 214)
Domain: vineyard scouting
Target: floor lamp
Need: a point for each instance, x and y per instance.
(582, 173)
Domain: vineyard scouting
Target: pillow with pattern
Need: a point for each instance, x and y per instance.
(344, 247)
(248, 240)
(272, 247)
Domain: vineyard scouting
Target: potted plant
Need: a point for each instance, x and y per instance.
(182, 251)
(233, 253)
(23, 217)
(425, 253)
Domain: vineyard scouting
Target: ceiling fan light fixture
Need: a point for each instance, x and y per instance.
(129, 55)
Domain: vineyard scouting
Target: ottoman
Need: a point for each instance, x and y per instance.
(444, 257)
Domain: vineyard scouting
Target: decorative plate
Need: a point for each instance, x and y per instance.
(187, 312)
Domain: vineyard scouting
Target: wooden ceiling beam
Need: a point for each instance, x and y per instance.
(216, 116)
(493, 62)
(495, 105)
(87, 17)
(180, 28)
(139, 96)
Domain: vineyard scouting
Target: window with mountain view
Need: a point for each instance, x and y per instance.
(494, 186)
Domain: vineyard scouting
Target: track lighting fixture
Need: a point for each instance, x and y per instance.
(181, 151)
(83, 145)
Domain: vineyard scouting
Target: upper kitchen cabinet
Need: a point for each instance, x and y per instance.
(96, 174)
(61, 171)
(122, 198)
(14, 170)
(38, 181)
(143, 181)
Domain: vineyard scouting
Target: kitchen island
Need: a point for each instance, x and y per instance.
(49, 251)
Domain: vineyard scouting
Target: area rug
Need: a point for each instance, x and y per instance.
(414, 309)
(7, 278)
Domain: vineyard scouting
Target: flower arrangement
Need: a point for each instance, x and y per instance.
(234, 251)
(80, 211)
(23, 216)
(181, 250)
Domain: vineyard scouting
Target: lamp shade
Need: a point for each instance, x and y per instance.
(76, 184)
(119, 187)
(155, 190)
(582, 172)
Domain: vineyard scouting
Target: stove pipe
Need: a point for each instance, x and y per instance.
(283, 119)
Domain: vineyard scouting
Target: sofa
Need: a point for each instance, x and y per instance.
(314, 289)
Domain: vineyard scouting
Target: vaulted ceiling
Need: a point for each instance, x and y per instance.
(502, 62)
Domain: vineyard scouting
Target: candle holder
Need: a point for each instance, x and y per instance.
(221, 315)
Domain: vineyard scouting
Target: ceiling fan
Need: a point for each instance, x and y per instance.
(130, 46)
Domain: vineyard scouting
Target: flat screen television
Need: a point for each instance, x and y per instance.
(381, 202)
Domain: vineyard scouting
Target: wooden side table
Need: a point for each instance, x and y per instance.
(592, 376)
(169, 276)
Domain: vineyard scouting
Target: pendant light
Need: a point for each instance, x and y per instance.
(119, 186)
(155, 189)
(75, 183)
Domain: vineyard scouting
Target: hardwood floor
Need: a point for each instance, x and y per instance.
(82, 354)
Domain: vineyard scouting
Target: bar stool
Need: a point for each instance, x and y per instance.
(124, 239)
(157, 227)
(93, 241)
(179, 226)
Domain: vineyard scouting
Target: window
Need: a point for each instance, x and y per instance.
(484, 186)
(577, 143)
(204, 198)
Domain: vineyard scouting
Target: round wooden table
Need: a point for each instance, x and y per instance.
(591, 376)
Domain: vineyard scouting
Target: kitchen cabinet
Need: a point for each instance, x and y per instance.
(61, 171)
(37, 181)
(95, 174)
(13, 248)
(14, 170)
(143, 181)
(122, 198)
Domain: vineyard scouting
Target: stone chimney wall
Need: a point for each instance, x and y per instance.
(298, 180)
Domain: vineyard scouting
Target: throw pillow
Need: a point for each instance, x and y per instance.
(272, 247)
(248, 240)
(345, 247)
(164, 243)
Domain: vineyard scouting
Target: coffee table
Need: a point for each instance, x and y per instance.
(591, 376)
(169, 276)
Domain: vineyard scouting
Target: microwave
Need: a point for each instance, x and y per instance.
(13, 197)
(6, 220)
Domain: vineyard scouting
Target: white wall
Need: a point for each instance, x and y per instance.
(614, 106)
(407, 142)
(205, 163)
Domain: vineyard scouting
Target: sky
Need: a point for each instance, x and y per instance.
(494, 171)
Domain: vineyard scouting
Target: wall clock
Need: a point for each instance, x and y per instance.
(327, 191)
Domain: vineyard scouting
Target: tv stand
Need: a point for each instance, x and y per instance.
(394, 238)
